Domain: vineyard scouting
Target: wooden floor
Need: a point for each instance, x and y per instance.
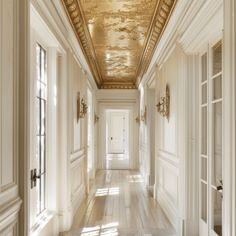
(118, 204)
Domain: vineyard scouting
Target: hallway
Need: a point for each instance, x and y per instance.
(119, 204)
(117, 117)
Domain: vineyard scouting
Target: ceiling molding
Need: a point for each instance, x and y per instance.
(74, 13)
(160, 19)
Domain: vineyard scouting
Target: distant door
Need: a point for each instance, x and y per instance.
(117, 132)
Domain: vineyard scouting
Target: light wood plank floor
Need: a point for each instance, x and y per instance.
(119, 204)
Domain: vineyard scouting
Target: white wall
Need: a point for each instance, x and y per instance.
(147, 135)
(77, 133)
(170, 141)
(10, 201)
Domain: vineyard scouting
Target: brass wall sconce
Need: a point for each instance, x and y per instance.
(96, 118)
(84, 108)
(163, 106)
(81, 107)
(144, 115)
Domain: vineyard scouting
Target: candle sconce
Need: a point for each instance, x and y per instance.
(81, 107)
(163, 106)
(84, 108)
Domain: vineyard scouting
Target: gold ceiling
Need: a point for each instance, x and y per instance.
(118, 37)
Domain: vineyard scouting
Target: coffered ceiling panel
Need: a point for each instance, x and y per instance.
(118, 37)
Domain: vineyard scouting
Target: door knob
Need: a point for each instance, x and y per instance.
(111, 138)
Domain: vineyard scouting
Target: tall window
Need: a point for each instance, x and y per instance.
(41, 107)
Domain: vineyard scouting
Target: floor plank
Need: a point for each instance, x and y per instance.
(119, 204)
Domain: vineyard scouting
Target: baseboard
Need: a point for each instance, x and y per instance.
(169, 208)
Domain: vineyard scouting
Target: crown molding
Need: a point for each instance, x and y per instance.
(77, 21)
(53, 14)
(206, 25)
(162, 13)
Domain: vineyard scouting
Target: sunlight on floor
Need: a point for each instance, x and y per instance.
(107, 191)
(135, 179)
(103, 230)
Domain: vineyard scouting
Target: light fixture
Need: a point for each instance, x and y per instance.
(163, 106)
(84, 108)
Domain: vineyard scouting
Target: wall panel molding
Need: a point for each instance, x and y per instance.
(9, 213)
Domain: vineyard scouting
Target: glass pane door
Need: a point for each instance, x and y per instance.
(216, 142)
(211, 183)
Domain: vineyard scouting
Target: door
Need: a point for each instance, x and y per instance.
(38, 134)
(117, 132)
(117, 139)
(211, 182)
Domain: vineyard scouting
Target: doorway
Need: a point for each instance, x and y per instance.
(117, 139)
(211, 180)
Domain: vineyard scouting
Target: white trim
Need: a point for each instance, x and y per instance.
(229, 103)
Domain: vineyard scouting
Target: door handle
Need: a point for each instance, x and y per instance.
(219, 187)
(34, 177)
(111, 138)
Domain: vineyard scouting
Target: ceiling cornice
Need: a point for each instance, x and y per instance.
(160, 19)
(74, 13)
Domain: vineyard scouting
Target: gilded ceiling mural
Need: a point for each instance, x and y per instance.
(118, 37)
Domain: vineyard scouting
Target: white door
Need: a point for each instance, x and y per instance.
(211, 182)
(117, 132)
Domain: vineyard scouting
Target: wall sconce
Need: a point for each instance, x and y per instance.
(84, 108)
(96, 118)
(163, 106)
(81, 107)
(144, 115)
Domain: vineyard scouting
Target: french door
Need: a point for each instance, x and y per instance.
(211, 181)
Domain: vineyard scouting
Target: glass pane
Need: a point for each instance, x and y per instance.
(204, 67)
(217, 87)
(217, 142)
(217, 212)
(37, 104)
(43, 154)
(38, 88)
(43, 66)
(38, 62)
(43, 91)
(204, 202)
(38, 152)
(204, 131)
(43, 117)
(42, 180)
(204, 169)
(217, 59)
(204, 94)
